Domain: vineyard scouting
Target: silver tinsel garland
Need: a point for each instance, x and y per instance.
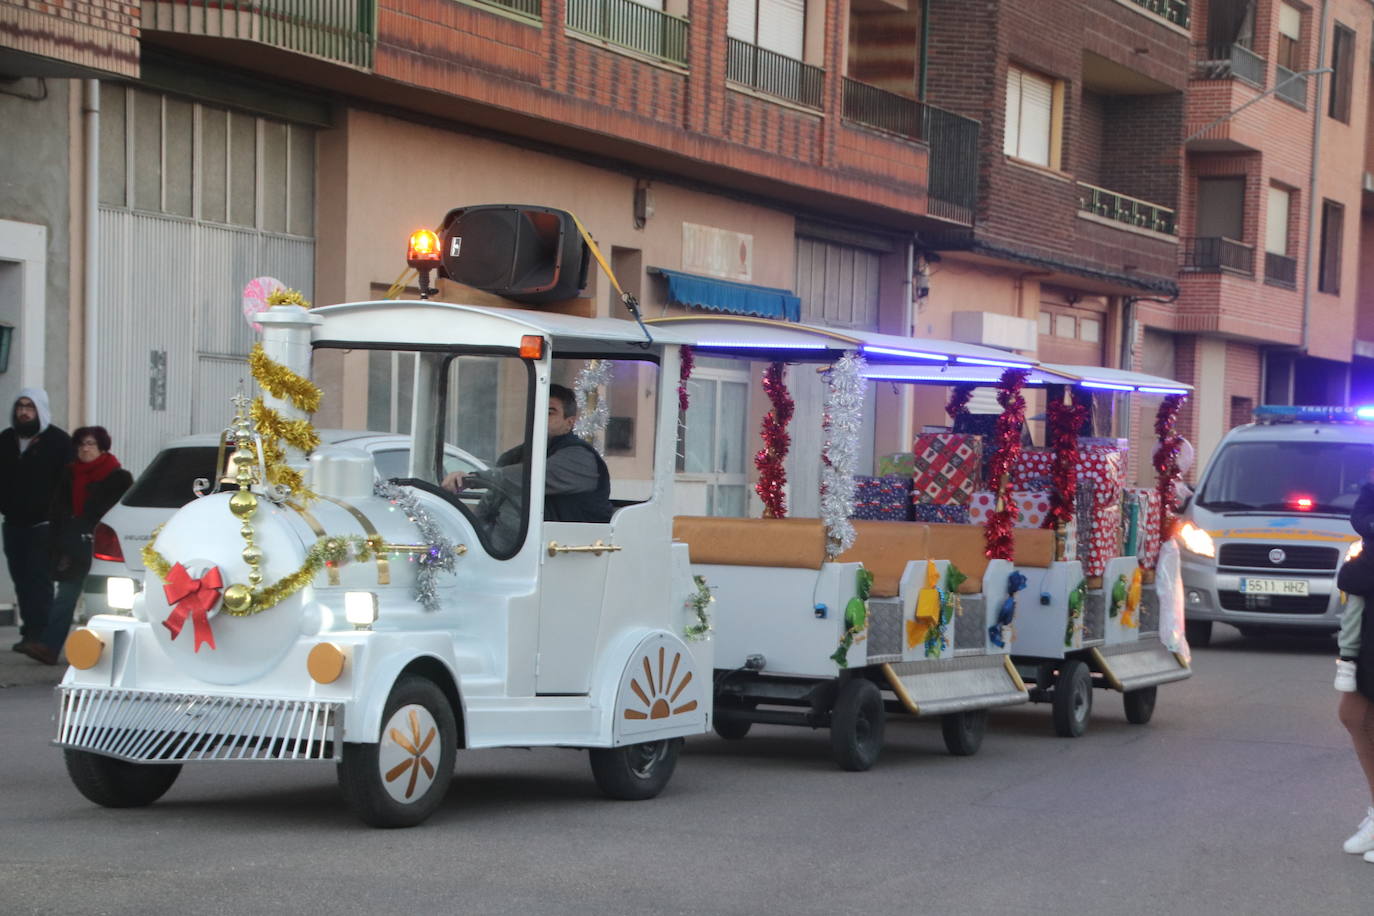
(595, 374)
(442, 555)
(844, 401)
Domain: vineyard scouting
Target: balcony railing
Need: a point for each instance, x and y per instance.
(531, 8)
(1218, 255)
(1290, 86)
(337, 30)
(761, 69)
(953, 141)
(1175, 11)
(1222, 62)
(1129, 210)
(1280, 270)
(631, 25)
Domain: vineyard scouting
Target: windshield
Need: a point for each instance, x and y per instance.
(1303, 476)
(167, 482)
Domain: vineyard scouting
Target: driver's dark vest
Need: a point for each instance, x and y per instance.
(591, 506)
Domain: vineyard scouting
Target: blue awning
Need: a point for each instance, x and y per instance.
(715, 295)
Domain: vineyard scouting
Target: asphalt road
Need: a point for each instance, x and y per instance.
(1235, 799)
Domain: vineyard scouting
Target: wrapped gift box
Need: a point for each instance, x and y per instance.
(1104, 467)
(1031, 507)
(948, 468)
(949, 515)
(898, 463)
(1033, 469)
(882, 498)
(1104, 541)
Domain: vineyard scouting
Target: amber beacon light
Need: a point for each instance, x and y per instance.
(424, 255)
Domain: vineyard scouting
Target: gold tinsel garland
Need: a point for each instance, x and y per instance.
(304, 394)
(273, 429)
(326, 551)
(288, 297)
(281, 382)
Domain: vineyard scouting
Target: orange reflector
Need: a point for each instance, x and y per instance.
(423, 248)
(531, 346)
(83, 649)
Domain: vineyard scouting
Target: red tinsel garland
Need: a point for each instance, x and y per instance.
(1064, 422)
(958, 401)
(769, 460)
(686, 362)
(1166, 462)
(1006, 450)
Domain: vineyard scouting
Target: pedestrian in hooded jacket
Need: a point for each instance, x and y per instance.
(33, 453)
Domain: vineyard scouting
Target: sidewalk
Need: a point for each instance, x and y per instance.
(18, 670)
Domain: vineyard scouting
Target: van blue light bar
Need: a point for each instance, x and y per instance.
(1307, 413)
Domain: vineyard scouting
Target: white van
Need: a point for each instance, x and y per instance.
(1269, 524)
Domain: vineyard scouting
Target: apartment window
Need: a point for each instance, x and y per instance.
(1290, 38)
(1343, 75)
(1064, 326)
(1276, 226)
(1034, 104)
(774, 25)
(1333, 216)
(1046, 322)
(1221, 208)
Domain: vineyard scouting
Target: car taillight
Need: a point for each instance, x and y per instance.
(106, 546)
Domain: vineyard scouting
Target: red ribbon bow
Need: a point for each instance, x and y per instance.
(192, 598)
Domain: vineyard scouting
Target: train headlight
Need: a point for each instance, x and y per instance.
(360, 609)
(120, 591)
(1197, 541)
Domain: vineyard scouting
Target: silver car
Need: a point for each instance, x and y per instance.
(1269, 525)
(165, 486)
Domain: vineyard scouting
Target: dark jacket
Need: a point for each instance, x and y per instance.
(71, 534)
(28, 480)
(1362, 517)
(588, 506)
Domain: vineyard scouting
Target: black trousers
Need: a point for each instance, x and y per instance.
(27, 551)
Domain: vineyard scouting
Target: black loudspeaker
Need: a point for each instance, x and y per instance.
(527, 254)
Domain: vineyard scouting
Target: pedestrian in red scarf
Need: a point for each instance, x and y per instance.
(87, 489)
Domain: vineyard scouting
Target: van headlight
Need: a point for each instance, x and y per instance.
(1197, 541)
(1354, 550)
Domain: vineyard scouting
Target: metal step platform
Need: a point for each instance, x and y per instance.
(1131, 666)
(936, 687)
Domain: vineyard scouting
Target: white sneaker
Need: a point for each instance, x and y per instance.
(1345, 676)
(1363, 840)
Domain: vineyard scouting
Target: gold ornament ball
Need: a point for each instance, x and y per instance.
(243, 503)
(238, 598)
(252, 555)
(254, 577)
(247, 532)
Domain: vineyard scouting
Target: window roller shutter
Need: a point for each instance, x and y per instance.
(1037, 102)
(1290, 22)
(782, 27)
(1276, 223)
(1011, 138)
(740, 20)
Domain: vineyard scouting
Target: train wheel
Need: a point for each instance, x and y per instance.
(402, 779)
(1140, 704)
(636, 771)
(118, 783)
(1073, 699)
(964, 731)
(856, 725)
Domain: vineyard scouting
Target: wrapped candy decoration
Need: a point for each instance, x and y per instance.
(997, 633)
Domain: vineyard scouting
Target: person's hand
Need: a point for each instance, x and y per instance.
(453, 482)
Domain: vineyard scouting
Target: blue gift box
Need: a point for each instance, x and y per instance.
(885, 498)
